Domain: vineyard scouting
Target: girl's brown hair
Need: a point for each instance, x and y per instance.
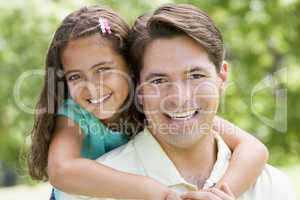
(83, 22)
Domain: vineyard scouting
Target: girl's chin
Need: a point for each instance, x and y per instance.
(105, 117)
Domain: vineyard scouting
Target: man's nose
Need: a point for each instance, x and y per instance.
(179, 94)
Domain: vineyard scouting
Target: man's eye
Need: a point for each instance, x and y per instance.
(158, 81)
(73, 77)
(196, 76)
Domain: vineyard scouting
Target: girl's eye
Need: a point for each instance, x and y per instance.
(158, 81)
(196, 76)
(102, 69)
(73, 77)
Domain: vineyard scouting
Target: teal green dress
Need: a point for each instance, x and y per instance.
(98, 139)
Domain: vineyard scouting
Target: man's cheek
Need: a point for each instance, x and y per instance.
(207, 100)
(152, 107)
(206, 91)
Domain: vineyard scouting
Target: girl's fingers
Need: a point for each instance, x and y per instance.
(173, 196)
(203, 195)
(221, 194)
(226, 189)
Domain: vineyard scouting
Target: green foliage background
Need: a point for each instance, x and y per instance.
(261, 37)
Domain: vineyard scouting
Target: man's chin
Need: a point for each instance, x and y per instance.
(182, 140)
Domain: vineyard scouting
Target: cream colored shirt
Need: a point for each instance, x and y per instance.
(143, 155)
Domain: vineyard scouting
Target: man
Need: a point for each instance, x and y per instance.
(178, 57)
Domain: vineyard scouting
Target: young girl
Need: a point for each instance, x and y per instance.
(86, 88)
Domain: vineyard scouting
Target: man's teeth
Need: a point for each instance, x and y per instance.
(100, 100)
(182, 115)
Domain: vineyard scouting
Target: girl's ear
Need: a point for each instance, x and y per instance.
(223, 74)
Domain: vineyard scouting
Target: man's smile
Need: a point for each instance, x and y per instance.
(181, 116)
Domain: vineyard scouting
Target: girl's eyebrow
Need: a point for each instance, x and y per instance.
(102, 63)
(93, 66)
(71, 71)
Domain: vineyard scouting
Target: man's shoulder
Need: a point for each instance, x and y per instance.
(117, 153)
(123, 158)
(275, 177)
(271, 184)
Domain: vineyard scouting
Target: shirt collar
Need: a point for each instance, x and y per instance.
(158, 165)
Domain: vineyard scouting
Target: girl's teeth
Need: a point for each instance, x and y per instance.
(96, 101)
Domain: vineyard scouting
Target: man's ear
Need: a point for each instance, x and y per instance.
(223, 74)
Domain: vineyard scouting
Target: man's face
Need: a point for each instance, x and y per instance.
(179, 90)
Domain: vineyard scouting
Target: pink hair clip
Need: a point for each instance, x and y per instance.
(104, 26)
(107, 26)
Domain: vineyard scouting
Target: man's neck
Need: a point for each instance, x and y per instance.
(196, 162)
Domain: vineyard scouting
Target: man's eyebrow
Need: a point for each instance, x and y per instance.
(93, 66)
(196, 69)
(155, 74)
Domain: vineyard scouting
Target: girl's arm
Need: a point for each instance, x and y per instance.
(248, 158)
(71, 173)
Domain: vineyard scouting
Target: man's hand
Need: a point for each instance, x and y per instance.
(211, 194)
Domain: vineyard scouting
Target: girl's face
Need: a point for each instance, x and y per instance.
(96, 75)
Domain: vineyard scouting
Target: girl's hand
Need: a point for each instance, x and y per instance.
(173, 195)
(211, 194)
(157, 191)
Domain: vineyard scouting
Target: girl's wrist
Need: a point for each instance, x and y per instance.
(155, 190)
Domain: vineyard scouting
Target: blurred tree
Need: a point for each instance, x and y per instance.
(261, 37)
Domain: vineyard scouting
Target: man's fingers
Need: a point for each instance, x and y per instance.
(200, 196)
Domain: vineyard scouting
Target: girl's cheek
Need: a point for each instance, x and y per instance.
(78, 91)
(122, 84)
(71, 90)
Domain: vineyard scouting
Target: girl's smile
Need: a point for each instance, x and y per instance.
(96, 75)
